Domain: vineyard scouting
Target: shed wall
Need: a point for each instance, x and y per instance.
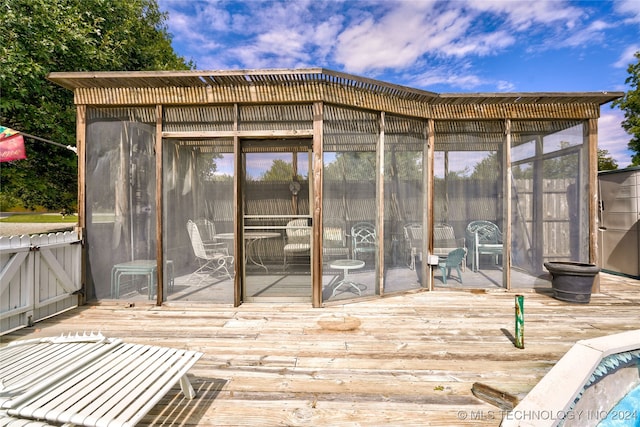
(620, 221)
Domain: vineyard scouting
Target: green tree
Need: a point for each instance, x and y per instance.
(605, 161)
(406, 165)
(280, 170)
(630, 104)
(352, 166)
(42, 36)
(487, 168)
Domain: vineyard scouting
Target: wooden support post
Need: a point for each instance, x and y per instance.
(428, 184)
(380, 267)
(317, 204)
(506, 207)
(238, 220)
(592, 173)
(81, 138)
(160, 296)
(519, 341)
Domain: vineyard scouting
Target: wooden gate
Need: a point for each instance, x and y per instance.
(40, 276)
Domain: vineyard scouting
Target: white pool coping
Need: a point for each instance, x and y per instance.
(550, 401)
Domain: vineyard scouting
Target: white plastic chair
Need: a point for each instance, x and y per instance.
(363, 239)
(212, 257)
(298, 239)
(484, 238)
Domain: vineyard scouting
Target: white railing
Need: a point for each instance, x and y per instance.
(40, 276)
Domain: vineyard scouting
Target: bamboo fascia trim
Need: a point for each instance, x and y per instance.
(341, 95)
(291, 77)
(515, 111)
(141, 96)
(376, 102)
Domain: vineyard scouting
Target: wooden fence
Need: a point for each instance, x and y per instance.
(40, 276)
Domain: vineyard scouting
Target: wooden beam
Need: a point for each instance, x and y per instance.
(81, 135)
(159, 209)
(492, 395)
(241, 134)
(317, 213)
(428, 196)
(81, 147)
(238, 218)
(537, 225)
(592, 141)
(506, 207)
(380, 267)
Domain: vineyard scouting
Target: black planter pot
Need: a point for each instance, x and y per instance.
(572, 281)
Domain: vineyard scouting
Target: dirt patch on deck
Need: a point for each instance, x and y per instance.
(339, 323)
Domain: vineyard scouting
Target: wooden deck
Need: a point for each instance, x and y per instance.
(403, 360)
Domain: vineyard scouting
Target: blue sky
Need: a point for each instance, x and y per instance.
(439, 46)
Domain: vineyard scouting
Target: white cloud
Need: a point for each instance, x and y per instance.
(217, 18)
(395, 40)
(324, 35)
(187, 28)
(453, 76)
(593, 32)
(522, 15)
(627, 57)
(612, 137)
(481, 45)
(505, 86)
(288, 42)
(630, 9)
(258, 34)
(420, 42)
(409, 31)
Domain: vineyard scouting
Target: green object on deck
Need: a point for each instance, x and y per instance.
(520, 321)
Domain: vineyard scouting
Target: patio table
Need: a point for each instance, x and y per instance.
(252, 237)
(346, 265)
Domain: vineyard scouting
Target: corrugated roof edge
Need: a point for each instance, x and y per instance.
(73, 80)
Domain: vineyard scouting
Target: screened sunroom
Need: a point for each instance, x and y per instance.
(317, 186)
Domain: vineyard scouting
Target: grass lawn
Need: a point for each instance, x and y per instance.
(48, 218)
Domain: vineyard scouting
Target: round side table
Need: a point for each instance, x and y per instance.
(346, 265)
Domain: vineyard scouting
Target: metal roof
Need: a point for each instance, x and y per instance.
(284, 77)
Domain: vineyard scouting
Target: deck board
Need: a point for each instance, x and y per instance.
(412, 360)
